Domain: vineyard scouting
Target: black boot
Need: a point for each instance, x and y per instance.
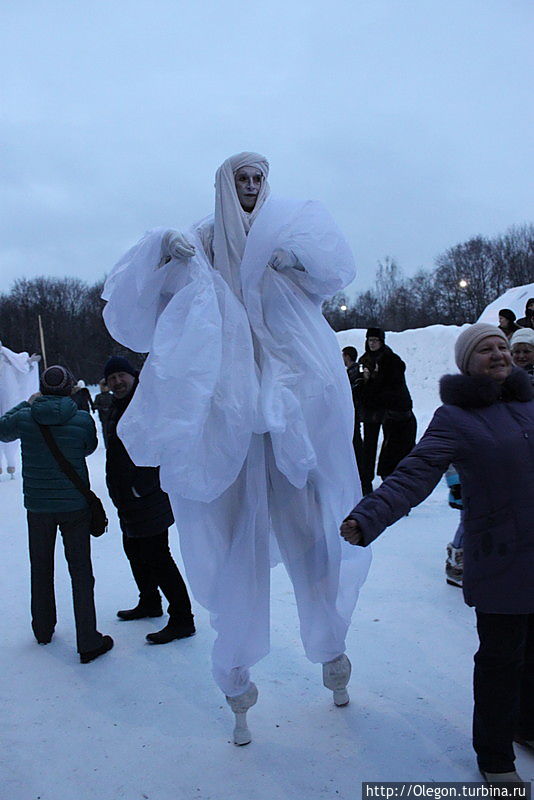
(90, 655)
(141, 611)
(170, 632)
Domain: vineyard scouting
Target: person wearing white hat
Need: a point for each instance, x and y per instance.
(522, 345)
(244, 405)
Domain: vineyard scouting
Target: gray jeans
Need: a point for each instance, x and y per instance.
(74, 527)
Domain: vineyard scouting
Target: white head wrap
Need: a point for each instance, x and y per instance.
(232, 223)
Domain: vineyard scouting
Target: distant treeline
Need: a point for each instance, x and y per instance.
(465, 279)
(71, 316)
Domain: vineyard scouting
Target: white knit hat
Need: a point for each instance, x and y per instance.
(525, 335)
(468, 340)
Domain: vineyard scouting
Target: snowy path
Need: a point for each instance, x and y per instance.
(148, 722)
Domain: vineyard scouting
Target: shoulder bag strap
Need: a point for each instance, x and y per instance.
(65, 465)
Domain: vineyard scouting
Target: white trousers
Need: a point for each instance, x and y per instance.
(226, 549)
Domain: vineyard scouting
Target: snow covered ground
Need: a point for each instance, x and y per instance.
(148, 723)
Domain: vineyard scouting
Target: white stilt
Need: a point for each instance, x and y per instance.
(240, 705)
(336, 675)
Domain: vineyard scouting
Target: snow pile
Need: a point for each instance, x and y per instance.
(515, 299)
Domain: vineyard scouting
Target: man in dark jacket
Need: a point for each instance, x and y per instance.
(52, 501)
(145, 515)
(385, 402)
(528, 320)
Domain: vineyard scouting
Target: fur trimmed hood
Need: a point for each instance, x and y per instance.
(467, 391)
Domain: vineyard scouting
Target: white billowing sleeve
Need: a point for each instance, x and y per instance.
(321, 248)
(192, 413)
(19, 378)
(137, 291)
(19, 361)
(305, 399)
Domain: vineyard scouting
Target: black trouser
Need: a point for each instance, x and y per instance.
(399, 439)
(74, 527)
(503, 688)
(153, 566)
(104, 422)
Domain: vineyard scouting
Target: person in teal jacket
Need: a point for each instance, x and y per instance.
(52, 501)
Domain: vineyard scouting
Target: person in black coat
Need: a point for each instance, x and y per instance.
(103, 403)
(507, 322)
(528, 320)
(145, 515)
(355, 376)
(385, 402)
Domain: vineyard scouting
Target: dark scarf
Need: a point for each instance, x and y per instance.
(477, 391)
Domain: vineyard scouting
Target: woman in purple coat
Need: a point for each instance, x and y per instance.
(486, 428)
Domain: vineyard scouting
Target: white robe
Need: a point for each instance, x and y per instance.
(246, 407)
(18, 380)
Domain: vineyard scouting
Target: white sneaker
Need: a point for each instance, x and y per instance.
(336, 675)
(240, 705)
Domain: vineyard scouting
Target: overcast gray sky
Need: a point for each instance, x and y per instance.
(410, 119)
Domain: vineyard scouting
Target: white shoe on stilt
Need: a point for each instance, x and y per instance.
(240, 705)
(336, 675)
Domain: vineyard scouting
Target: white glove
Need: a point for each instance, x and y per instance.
(175, 245)
(284, 259)
(34, 358)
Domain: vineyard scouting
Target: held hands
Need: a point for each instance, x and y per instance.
(284, 259)
(175, 245)
(351, 532)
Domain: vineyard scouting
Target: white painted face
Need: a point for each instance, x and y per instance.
(248, 185)
(491, 357)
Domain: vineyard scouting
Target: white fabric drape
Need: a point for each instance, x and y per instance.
(244, 403)
(232, 223)
(18, 380)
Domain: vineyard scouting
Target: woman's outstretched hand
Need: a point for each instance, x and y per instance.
(351, 531)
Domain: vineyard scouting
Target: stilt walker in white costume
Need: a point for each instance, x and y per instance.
(245, 405)
(19, 378)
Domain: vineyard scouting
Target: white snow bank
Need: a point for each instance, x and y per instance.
(515, 299)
